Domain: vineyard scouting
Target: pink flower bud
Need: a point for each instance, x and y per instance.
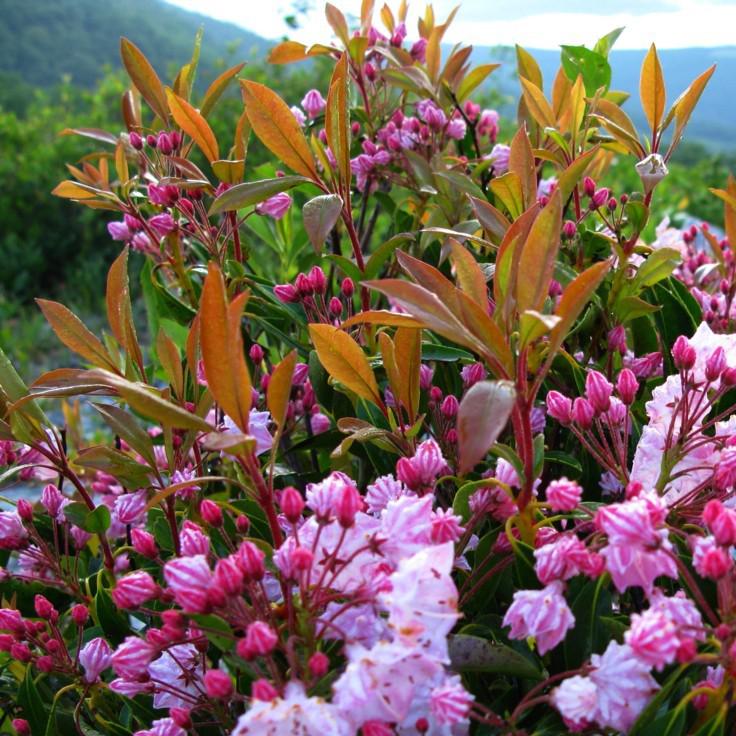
(250, 559)
(260, 640)
(582, 412)
(318, 664)
(193, 540)
(164, 144)
(617, 339)
(276, 206)
(135, 140)
(599, 198)
(151, 140)
(211, 513)
(313, 103)
(80, 614)
(569, 229)
(134, 590)
(598, 391)
(683, 354)
(229, 575)
(347, 504)
(132, 657)
(256, 353)
(559, 407)
(144, 543)
(292, 504)
(627, 386)
(263, 690)
(589, 186)
(95, 658)
(710, 560)
(242, 524)
(181, 717)
(25, 510)
(286, 293)
(450, 406)
(52, 500)
(612, 204)
(563, 495)
(335, 307)
(347, 287)
(715, 364)
(189, 580)
(45, 609)
(721, 521)
(22, 727)
(318, 280)
(217, 684)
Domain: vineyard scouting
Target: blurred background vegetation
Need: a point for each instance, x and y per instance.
(59, 68)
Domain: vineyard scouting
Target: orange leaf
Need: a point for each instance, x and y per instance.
(74, 334)
(194, 125)
(144, 78)
(537, 260)
(275, 124)
(168, 355)
(119, 308)
(215, 90)
(408, 345)
(339, 25)
(468, 274)
(521, 163)
(537, 104)
(651, 88)
(279, 388)
(345, 361)
(222, 353)
(383, 317)
(337, 119)
(684, 105)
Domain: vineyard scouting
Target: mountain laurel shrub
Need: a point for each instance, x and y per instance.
(427, 439)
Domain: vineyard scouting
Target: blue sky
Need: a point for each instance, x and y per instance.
(531, 23)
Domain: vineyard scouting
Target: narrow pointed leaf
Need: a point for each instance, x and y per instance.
(279, 388)
(191, 121)
(253, 192)
(651, 88)
(144, 78)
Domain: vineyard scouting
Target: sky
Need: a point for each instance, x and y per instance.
(542, 24)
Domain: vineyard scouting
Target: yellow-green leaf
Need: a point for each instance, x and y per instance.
(215, 90)
(337, 119)
(537, 104)
(345, 361)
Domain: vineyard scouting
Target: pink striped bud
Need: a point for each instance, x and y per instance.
(250, 559)
(715, 364)
(95, 658)
(589, 186)
(721, 521)
(144, 543)
(710, 560)
(450, 406)
(132, 657)
(229, 575)
(135, 589)
(569, 229)
(683, 354)
(582, 413)
(563, 495)
(286, 293)
(599, 198)
(559, 407)
(25, 510)
(45, 609)
(217, 684)
(598, 391)
(189, 579)
(318, 280)
(627, 386)
(260, 640)
(211, 513)
(193, 540)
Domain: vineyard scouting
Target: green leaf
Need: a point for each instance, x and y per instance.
(217, 630)
(593, 66)
(31, 703)
(474, 654)
(253, 192)
(589, 635)
(97, 521)
(108, 617)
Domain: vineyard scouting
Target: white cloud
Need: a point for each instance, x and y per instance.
(668, 23)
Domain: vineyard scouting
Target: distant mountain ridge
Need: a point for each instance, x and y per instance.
(43, 40)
